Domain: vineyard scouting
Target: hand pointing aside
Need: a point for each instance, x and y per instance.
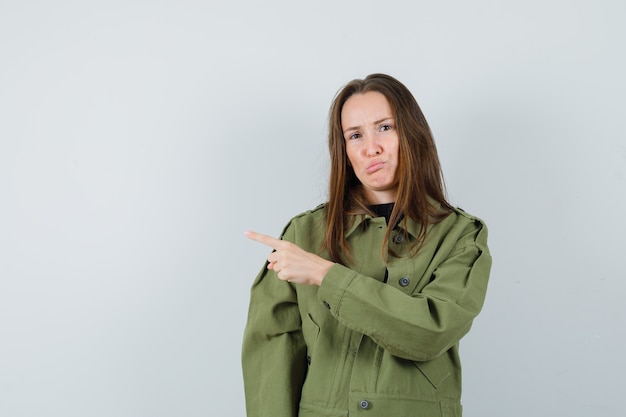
(291, 263)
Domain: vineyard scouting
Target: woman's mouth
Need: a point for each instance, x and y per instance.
(375, 166)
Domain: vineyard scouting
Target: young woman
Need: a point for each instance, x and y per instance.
(361, 305)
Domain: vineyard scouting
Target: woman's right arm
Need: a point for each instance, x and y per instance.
(274, 352)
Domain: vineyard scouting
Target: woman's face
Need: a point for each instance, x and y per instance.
(372, 143)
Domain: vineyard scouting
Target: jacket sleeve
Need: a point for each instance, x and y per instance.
(273, 352)
(418, 326)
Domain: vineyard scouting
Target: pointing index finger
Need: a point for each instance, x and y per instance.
(270, 241)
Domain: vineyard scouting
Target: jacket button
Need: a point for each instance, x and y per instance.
(326, 305)
(404, 281)
(308, 359)
(398, 239)
(364, 404)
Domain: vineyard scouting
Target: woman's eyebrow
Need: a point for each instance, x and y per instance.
(383, 120)
(375, 123)
(351, 128)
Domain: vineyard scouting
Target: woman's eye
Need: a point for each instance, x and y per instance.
(384, 128)
(354, 136)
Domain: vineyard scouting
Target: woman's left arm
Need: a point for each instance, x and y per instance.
(417, 326)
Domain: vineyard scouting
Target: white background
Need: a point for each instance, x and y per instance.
(139, 139)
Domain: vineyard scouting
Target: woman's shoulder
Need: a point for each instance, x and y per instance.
(464, 227)
(309, 224)
(464, 216)
(315, 214)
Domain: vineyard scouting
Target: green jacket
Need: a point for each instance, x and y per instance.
(357, 346)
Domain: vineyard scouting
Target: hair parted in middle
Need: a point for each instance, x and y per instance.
(421, 191)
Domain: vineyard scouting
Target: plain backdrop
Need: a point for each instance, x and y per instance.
(140, 139)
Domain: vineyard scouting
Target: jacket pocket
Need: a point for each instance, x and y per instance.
(429, 380)
(370, 405)
(436, 371)
(310, 331)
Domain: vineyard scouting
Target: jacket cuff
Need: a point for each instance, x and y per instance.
(334, 286)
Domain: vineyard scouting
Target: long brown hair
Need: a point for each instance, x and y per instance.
(421, 190)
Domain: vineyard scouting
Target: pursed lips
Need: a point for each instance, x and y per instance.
(374, 166)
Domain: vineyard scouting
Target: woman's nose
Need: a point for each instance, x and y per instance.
(372, 147)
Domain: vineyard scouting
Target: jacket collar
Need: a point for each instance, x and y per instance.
(363, 220)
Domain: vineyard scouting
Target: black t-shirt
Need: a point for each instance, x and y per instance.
(382, 210)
